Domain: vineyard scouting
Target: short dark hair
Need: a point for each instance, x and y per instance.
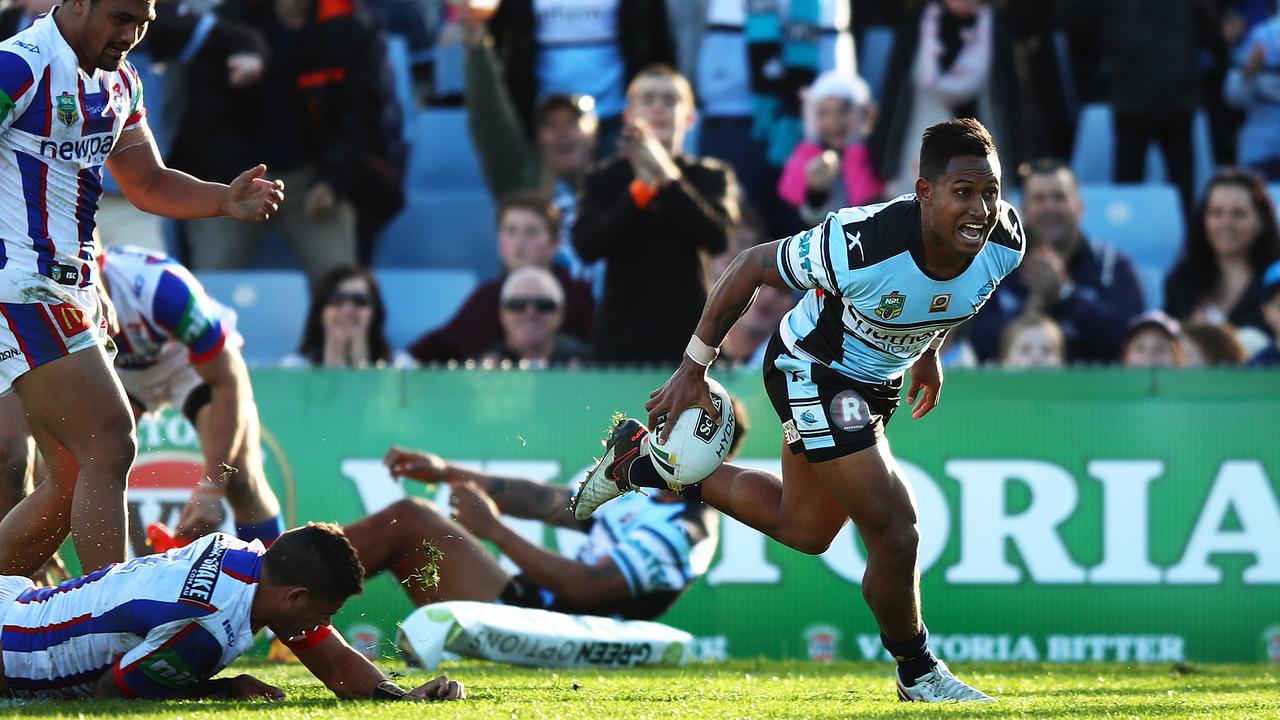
(663, 70)
(536, 202)
(962, 137)
(319, 557)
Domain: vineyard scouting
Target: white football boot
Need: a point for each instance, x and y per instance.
(939, 685)
(608, 479)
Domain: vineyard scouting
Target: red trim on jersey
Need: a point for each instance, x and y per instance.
(22, 90)
(330, 9)
(237, 576)
(48, 127)
(47, 628)
(316, 78)
(211, 353)
(135, 118)
(185, 631)
(118, 676)
(310, 638)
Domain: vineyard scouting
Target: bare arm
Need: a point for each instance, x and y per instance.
(145, 181)
(231, 399)
(351, 676)
(514, 496)
(729, 299)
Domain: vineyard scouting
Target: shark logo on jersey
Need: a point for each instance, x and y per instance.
(983, 294)
(891, 305)
(67, 112)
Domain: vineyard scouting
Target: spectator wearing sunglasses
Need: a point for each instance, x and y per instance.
(345, 325)
(532, 313)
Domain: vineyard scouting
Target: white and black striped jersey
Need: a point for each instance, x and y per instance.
(871, 308)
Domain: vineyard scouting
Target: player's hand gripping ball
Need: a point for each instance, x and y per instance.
(697, 444)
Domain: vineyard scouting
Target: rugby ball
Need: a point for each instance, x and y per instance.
(697, 444)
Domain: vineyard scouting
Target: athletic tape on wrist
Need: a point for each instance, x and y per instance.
(700, 352)
(388, 690)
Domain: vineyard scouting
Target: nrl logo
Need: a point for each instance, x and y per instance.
(67, 113)
(891, 305)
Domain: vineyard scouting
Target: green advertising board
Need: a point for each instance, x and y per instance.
(1070, 516)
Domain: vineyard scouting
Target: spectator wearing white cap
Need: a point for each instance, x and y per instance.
(831, 168)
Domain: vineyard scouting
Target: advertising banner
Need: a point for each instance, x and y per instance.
(1109, 515)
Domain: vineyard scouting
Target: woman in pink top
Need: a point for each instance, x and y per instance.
(831, 168)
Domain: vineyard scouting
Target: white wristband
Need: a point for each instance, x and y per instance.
(700, 352)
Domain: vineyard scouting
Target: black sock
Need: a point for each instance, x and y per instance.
(642, 473)
(913, 656)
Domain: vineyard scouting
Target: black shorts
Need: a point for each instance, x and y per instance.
(824, 414)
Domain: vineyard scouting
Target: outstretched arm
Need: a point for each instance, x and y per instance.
(580, 584)
(514, 496)
(351, 676)
(151, 187)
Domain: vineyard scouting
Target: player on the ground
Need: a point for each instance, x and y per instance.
(884, 284)
(70, 103)
(160, 626)
(640, 556)
(177, 346)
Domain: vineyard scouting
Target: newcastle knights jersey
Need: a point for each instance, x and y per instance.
(871, 309)
(58, 124)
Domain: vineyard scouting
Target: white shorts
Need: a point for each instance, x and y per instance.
(41, 321)
(169, 381)
(11, 586)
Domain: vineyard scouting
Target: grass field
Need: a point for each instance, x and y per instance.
(745, 689)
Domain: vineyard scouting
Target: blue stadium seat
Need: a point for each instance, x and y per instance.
(398, 58)
(873, 60)
(271, 308)
(1273, 189)
(1093, 158)
(442, 230)
(442, 156)
(422, 299)
(1144, 221)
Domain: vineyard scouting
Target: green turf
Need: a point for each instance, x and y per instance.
(745, 689)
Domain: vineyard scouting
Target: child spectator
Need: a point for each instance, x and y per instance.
(1032, 341)
(1153, 340)
(831, 167)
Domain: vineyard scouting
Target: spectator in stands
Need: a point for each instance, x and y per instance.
(345, 325)
(564, 143)
(1153, 51)
(532, 313)
(528, 235)
(653, 213)
(1090, 290)
(950, 58)
(590, 47)
(1032, 340)
(1212, 346)
(1231, 240)
(831, 168)
(316, 118)
(751, 60)
(1153, 339)
(1270, 355)
(1253, 85)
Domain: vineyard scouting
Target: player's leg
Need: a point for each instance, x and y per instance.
(45, 511)
(17, 453)
(797, 509)
(398, 538)
(76, 403)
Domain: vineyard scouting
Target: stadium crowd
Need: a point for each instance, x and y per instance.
(627, 149)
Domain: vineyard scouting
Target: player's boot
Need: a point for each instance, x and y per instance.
(162, 539)
(939, 685)
(608, 479)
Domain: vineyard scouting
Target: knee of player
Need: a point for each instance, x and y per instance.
(897, 543)
(811, 542)
(413, 514)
